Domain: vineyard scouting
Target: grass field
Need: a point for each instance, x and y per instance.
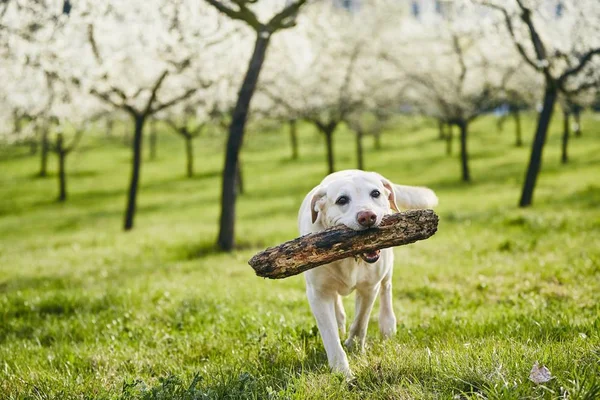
(87, 311)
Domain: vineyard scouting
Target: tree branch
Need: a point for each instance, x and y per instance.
(172, 102)
(243, 13)
(583, 61)
(286, 18)
(161, 78)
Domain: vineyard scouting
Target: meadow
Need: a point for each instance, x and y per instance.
(88, 311)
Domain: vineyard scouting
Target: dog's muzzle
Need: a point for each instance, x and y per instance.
(371, 257)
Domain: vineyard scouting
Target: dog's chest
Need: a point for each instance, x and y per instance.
(346, 275)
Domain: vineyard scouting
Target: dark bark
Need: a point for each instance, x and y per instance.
(377, 141)
(518, 131)
(339, 242)
(110, 126)
(441, 134)
(577, 119)
(239, 179)
(464, 154)
(449, 137)
(189, 153)
(33, 147)
(61, 152)
(226, 239)
(294, 139)
(153, 139)
(45, 149)
(565, 138)
(329, 145)
(537, 147)
(359, 150)
(139, 121)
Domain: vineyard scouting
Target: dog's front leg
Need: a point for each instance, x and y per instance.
(322, 305)
(365, 297)
(387, 318)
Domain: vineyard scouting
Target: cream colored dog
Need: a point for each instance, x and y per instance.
(358, 200)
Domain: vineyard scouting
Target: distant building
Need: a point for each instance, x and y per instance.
(431, 10)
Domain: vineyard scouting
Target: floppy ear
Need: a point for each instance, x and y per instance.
(314, 207)
(392, 196)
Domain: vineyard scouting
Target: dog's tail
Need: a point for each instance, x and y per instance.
(414, 197)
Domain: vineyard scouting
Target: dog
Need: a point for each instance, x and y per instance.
(359, 200)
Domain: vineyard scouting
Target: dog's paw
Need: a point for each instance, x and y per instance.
(387, 327)
(345, 372)
(355, 344)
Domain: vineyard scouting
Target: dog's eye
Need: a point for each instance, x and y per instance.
(342, 200)
(375, 193)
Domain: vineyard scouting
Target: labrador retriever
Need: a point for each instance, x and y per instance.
(359, 200)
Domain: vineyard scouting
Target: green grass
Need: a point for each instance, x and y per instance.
(87, 311)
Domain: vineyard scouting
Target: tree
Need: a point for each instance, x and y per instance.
(328, 68)
(563, 49)
(144, 72)
(183, 124)
(241, 10)
(454, 74)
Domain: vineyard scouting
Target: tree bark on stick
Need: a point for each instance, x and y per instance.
(310, 251)
(535, 159)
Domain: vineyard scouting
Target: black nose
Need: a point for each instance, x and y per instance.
(366, 218)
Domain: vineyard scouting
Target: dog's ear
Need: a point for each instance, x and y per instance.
(391, 196)
(315, 203)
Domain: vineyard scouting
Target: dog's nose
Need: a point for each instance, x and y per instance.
(366, 218)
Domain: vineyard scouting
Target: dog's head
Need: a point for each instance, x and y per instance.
(356, 199)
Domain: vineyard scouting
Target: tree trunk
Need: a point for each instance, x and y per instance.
(44, 152)
(577, 119)
(110, 126)
(377, 141)
(294, 139)
(153, 139)
(449, 137)
(464, 155)
(565, 138)
(33, 146)
(139, 121)
(189, 153)
(329, 145)
(62, 178)
(359, 150)
(226, 239)
(441, 135)
(239, 179)
(518, 131)
(537, 147)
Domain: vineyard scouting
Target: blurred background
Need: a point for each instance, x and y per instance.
(149, 148)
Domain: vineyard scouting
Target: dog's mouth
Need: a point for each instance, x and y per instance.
(371, 256)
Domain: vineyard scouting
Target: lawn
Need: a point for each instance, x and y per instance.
(88, 311)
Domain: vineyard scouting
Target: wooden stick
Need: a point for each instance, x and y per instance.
(310, 251)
